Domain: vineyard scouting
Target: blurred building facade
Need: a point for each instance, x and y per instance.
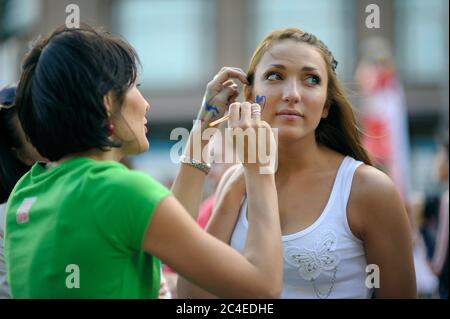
(183, 43)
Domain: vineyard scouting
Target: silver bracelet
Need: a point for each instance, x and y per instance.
(204, 167)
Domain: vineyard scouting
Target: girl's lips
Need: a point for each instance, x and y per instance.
(290, 117)
(288, 112)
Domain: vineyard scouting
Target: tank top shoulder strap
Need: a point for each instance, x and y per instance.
(349, 168)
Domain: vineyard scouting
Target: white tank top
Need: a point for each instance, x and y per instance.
(324, 260)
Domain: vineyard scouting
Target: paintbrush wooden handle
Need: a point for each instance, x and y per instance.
(222, 119)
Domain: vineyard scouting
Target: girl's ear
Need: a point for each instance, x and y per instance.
(326, 109)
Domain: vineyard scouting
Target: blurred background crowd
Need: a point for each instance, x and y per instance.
(396, 75)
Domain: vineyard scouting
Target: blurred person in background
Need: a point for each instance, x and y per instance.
(17, 156)
(431, 235)
(440, 257)
(384, 117)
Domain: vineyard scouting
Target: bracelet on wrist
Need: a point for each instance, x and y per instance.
(204, 167)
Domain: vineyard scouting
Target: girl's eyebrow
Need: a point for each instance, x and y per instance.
(278, 66)
(310, 68)
(305, 68)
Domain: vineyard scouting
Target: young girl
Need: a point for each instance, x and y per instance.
(84, 226)
(344, 227)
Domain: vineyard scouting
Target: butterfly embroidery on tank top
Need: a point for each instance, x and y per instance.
(312, 262)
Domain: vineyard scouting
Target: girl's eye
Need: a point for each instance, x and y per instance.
(273, 76)
(138, 85)
(313, 80)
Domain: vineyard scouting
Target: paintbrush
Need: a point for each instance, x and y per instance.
(261, 100)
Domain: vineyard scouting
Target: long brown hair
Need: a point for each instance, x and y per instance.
(338, 130)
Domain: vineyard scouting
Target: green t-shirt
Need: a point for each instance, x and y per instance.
(76, 231)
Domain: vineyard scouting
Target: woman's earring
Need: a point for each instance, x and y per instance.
(110, 129)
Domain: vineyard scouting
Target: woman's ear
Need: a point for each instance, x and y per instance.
(326, 109)
(108, 102)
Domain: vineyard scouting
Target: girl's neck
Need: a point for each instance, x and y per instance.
(301, 156)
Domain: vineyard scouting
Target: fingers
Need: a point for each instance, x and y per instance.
(250, 112)
(234, 111)
(231, 91)
(227, 73)
(244, 113)
(231, 86)
(229, 83)
(249, 133)
(233, 96)
(222, 90)
(256, 112)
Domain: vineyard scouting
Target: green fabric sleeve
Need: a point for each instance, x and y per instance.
(131, 200)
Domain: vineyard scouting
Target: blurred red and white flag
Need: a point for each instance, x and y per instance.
(384, 122)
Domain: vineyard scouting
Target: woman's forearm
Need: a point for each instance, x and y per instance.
(189, 182)
(264, 233)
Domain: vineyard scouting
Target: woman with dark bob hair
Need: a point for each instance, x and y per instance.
(83, 225)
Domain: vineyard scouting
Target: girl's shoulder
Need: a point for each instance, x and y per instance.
(370, 183)
(373, 198)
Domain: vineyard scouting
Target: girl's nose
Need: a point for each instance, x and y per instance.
(291, 93)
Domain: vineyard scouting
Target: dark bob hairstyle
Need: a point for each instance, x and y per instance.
(60, 96)
(11, 168)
